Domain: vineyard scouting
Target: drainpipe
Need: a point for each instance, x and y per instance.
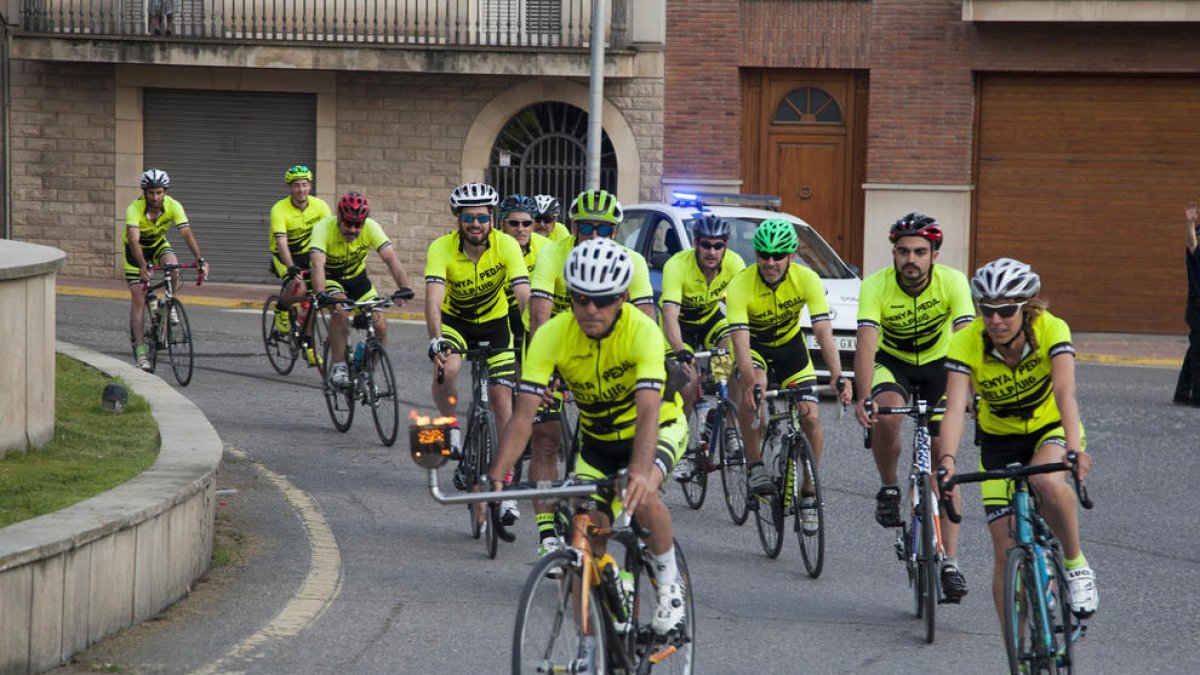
(596, 96)
(6, 153)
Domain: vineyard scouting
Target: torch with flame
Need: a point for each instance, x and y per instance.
(429, 440)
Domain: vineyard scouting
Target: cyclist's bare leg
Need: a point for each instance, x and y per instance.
(168, 258)
(501, 399)
(292, 293)
(810, 422)
(447, 389)
(949, 527)
(339, 333)
(654, 516)
(1057, 499)
(885, 445)
(1000, 530)
(746, 415)
(137, 305)
(543, 460)
(380, 326)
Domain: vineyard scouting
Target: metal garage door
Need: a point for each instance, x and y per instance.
(226, 153)
(1085, 178)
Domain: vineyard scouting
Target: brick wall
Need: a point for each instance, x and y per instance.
(63, 133)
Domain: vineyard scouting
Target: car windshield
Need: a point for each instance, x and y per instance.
(813, 252)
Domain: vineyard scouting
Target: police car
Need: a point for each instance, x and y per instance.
(659, 230)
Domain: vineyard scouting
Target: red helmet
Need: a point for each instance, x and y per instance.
(353, 208)
(917, 225)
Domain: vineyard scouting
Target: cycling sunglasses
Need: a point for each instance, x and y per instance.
(299, 168)
(468, 218)
(1005, 311)
(771, 256)
(545, 219)
(520, 223)
(711, 245)
(600, 302)
(603, 230)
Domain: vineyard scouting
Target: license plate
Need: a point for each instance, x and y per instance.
(844, 343)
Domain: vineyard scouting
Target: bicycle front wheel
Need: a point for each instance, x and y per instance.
(1063, 636)
(768, 517)
(179, 342)
(280, 350)
(1021, 608)
(734, 481)
(486, 446)
(927, 562)
(338, 400)
(810, 508)
(381, 393)
(549, 636)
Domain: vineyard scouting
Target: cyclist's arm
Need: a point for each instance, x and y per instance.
(643, 474)
(958, 391)
(388, 254)
(133, 235)
(864, 369)
(670, 325)
(521, 291)
(316, 274)
(190, 239)
(823, 330)
(1062, 377)
(516, 435)
(434, 293)
(281, 249)
(540, 310)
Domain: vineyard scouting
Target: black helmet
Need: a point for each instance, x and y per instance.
(709, 225)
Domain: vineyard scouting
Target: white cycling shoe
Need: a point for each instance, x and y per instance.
(1085, 599)
(669, 613)
(509, 513)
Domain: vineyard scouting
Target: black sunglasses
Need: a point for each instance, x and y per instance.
(520, 223)
(711, 245)
(604, 230)
(544, 219)
(771, 256)
(1005, 311)
(600, 302)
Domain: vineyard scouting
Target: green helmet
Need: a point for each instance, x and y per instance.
(776, 235)
(599, 205)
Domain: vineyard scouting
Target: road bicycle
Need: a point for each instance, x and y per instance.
(372, 380)
(1040, 629)
(789, 459)
(715, 444)
(479, 446)
(919, 539)
(305, 335)
(165, 323)
(581, 612)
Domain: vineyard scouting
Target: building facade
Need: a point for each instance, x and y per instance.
(400, 101)
(1060, 132)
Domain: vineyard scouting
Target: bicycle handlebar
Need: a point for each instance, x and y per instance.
(171, 267)
(1012, 471)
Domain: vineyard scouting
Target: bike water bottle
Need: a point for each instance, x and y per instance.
(358, 354)
(302, 314)
(626, 578)
(612, 588)
(1049, 566)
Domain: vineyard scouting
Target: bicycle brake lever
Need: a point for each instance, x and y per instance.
(947, 503)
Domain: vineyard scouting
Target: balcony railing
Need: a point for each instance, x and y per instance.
(406, 23)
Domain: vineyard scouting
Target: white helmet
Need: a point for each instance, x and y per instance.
(1005, 278)
(547, 205)
(473, 194)
(598, 267)
(152, 178)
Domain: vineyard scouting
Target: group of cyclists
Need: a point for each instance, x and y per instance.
(566, 307)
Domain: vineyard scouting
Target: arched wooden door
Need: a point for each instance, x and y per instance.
(802, 145)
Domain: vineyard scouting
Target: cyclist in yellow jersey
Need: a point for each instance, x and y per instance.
(292, 221)
(595, 214)
(545, 220)
(147, 220)
(1020, 360)
(611, 356)
(764, 302)
(516, 219)
(906, 315)
(338, 255)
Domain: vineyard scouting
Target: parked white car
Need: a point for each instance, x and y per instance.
(659, 230)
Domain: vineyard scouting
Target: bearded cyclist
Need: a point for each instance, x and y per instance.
(292, 221)
(516, 215)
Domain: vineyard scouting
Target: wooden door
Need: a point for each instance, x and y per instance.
(803, 144)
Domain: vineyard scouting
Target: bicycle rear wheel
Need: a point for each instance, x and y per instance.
(734, 481)
(338, 400)
(179, 343)
(695, 484)
(671, 653)
(808, 487)
(549, 636)
(768, 517)
(150, 336)
(280, 350)
(927, 562)
(381, 393)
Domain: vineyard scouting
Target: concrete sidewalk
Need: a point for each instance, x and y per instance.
(1164, 351)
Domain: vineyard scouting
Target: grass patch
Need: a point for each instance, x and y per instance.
(92, 451)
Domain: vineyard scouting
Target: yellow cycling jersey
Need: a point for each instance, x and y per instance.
(150, 232)
(346, 259)
(1013, 400)
(603, 374)
(559, 231)
(916, 329)
(548, 282)
(475, 290)
(536, 243)
(297, 224)
(772, 315)
(684, 285)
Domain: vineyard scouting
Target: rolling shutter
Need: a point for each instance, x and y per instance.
(226, 153)
(1085, 178)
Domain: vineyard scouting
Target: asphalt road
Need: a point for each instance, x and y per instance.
(347, 565)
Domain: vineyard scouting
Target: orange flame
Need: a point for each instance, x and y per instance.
(422, 420)
(453, 400)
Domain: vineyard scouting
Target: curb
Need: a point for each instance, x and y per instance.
(1126, 360)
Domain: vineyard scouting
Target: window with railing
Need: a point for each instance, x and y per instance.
(487, 23)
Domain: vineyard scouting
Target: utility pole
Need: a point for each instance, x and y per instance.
(596, 97)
